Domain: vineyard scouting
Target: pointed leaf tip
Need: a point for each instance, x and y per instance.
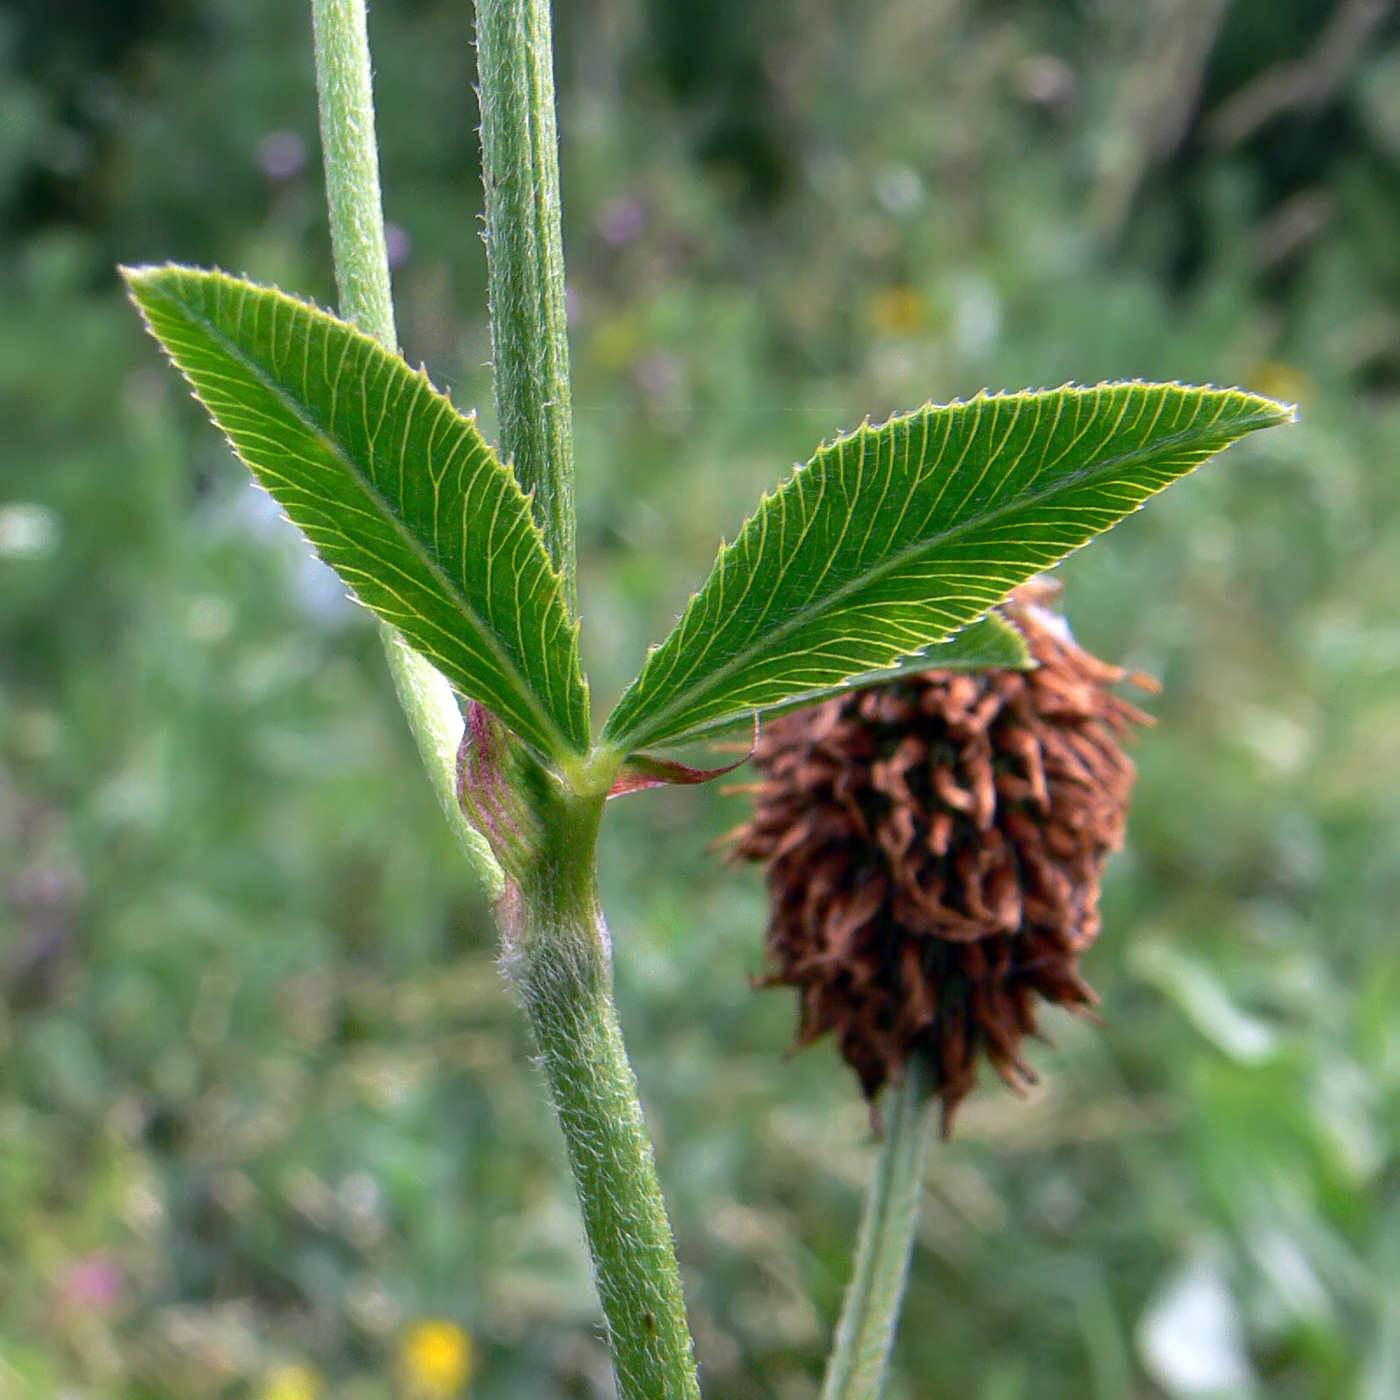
(396, 490)
(893, 537)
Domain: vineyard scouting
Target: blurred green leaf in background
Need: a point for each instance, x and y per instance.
(266, 1108)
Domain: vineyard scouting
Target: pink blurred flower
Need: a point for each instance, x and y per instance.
(92, 1283)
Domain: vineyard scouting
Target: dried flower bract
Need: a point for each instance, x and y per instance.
(933, 848)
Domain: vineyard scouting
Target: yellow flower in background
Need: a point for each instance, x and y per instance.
(436, 1357)
(616, 343)
(897, 311)
(291, 1383)
(1277, 380)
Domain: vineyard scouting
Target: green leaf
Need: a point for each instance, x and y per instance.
(398, 492)
(989, 643)
(890, 539)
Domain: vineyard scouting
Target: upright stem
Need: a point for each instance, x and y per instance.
(351, 157)
(556, 942)
(870, 1314)
(560, 959)
(525, 256)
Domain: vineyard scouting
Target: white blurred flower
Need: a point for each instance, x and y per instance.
(27, 529)
(1190, 1338)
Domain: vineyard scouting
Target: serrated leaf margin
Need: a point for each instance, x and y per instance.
(548, 722)
(639, 721)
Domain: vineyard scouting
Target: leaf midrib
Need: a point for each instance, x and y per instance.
(888, 563)
(308, 421)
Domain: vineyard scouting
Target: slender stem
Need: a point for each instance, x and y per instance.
(429, 704)
(525, 256)
(870, 1315)
(351, 159)
(556, 942)
(558, 951)
(555, 936)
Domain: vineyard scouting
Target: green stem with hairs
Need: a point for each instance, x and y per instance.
(525, 258)
(559, 956)
(556, 943)
(870, 1314)
(351, 157)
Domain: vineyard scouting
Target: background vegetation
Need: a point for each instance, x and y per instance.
(265, 1104)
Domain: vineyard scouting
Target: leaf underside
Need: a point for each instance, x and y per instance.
(892, 538)
(397, 491)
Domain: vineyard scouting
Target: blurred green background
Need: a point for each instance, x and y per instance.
(268, 1122)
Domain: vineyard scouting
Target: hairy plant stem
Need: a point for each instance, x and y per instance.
(525, 258)
(556, 942)
(351, 158)
(559, 956)
(870, 1314)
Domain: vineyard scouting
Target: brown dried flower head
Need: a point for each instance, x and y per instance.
(933, 848)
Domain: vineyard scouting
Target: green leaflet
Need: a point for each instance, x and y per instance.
(397, 491)
(890, 539)
(990, 642)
